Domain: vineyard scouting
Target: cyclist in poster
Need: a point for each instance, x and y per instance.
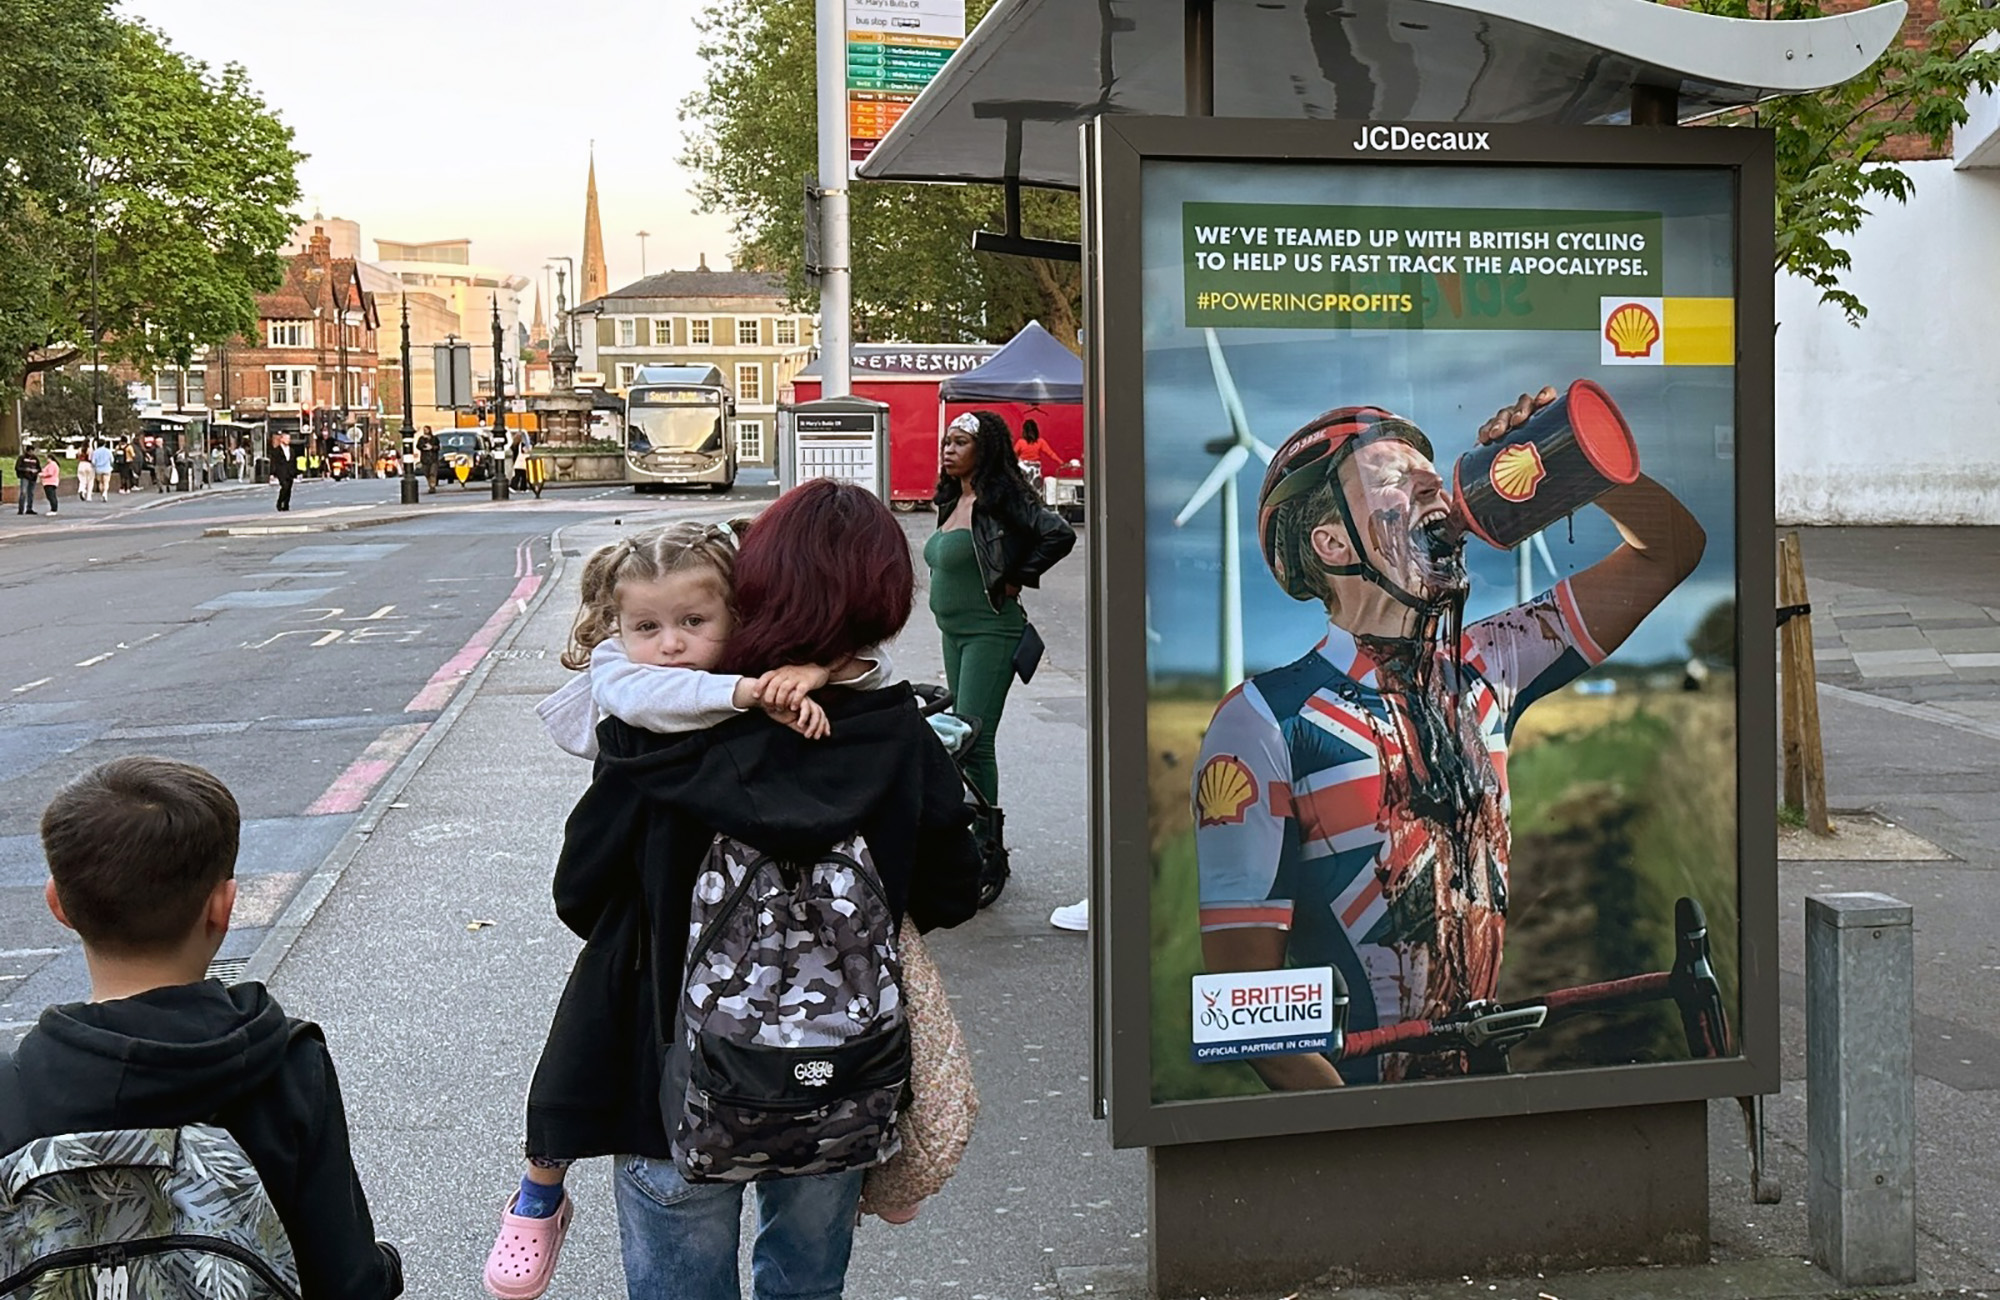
(1351, 807)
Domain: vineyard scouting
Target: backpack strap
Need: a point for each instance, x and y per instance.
(131, 1148)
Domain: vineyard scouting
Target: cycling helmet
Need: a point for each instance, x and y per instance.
(1311, 457)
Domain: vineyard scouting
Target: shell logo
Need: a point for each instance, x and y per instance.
(1517, 471)
(1632, 330)
(1223, 790)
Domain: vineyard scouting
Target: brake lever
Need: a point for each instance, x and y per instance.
(1488, 1026)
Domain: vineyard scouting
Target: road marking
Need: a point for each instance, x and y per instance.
(29, 686)
(95, 659)
(327, 638)
(7, 954)
(444, 682)
(351, 788)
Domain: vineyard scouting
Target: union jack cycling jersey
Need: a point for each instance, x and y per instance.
(1303, 820)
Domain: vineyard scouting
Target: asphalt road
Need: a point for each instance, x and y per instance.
(299, 665)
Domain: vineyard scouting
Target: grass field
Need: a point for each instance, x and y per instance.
(1621, 804)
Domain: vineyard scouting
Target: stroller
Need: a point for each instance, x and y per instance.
(988, 821)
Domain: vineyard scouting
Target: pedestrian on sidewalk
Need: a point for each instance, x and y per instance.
(100, 464)
(518, 448)
(285, 468)
(142, 865)
(51, 479)
(651, 629)
(86, 472)
(27, 477)
(993, 539)
(823, 574)
(159, 467)
(427, 456)
(121, 464)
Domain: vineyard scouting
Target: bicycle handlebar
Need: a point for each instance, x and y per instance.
(1691, 985)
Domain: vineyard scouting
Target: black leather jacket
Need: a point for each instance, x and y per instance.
(1012, 546)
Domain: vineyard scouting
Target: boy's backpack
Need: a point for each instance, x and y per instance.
(140, 1213)
(793, 1047)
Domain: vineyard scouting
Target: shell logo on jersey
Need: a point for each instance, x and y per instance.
(1517, 472)
(1223, 791)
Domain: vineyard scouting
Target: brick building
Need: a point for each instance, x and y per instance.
(313, 362)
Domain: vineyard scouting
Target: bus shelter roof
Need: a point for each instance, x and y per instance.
(1008, 104)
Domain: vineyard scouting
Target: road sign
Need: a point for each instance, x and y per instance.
(894, 48)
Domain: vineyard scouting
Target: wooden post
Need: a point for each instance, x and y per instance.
(1804, 759)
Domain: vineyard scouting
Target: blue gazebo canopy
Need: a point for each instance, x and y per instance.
(1033, 368)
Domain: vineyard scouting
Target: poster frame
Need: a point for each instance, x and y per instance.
(1115, 152)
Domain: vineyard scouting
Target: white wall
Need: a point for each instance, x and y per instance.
(1898, 420)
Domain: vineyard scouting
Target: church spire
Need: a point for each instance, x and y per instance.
(596, 279)
(539, 331)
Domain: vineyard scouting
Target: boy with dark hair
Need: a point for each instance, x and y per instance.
(142, 864)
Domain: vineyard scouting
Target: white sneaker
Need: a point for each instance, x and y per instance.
(1074, 917)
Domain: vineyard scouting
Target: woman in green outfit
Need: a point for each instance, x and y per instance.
(993, 539)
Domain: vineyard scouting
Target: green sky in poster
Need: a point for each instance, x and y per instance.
(1321, 266)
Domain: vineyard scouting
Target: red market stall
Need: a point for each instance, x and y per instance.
(906, 377)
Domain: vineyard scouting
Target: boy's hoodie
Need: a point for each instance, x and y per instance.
(203, 1053)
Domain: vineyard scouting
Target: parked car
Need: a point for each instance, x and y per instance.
(464, 448)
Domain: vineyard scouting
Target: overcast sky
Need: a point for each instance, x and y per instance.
(441, 119)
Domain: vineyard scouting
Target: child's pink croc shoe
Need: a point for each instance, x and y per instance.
(523, 1258)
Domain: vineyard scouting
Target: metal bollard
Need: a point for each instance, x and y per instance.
(1861, 1088)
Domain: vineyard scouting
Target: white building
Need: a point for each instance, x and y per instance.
(1894, 421)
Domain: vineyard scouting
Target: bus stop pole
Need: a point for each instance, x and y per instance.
(835, 285)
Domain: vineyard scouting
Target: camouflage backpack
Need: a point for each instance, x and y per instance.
(135, 1214)
(792, 1046)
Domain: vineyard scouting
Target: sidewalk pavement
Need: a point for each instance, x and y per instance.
(435, 963)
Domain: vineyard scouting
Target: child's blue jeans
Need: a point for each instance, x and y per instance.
(680, 1240)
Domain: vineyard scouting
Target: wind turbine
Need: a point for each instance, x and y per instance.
(1234, 452)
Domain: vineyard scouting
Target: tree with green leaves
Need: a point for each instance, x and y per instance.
(753, 142)
(1837, 149)
(66, 407)
(167, 228)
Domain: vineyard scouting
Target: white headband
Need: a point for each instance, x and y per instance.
(966, 423)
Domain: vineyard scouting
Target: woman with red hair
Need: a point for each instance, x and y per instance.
(822, 574)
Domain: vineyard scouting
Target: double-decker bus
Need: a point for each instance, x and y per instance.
(677, 428)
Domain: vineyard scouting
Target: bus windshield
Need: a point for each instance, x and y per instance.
(675, 420)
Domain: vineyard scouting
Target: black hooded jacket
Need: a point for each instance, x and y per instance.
(203, 1053)
(638, 835)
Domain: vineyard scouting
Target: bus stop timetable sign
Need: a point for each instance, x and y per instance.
(842, 438)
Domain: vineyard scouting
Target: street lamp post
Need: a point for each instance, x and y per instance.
(643, 235)
(409, 487)
(498, 474)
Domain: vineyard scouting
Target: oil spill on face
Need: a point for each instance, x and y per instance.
(1425, 559)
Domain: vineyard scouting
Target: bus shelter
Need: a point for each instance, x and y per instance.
(1318, 234)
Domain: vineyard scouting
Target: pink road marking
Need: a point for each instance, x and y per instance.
(351, 788)
(444, 682)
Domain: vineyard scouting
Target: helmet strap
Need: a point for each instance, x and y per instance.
(1362, 567)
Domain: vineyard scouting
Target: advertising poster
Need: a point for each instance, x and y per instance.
(1441, 586)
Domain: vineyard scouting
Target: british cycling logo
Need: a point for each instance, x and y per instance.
(813, 1074)
(1262, 1013)
(1395, 139)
